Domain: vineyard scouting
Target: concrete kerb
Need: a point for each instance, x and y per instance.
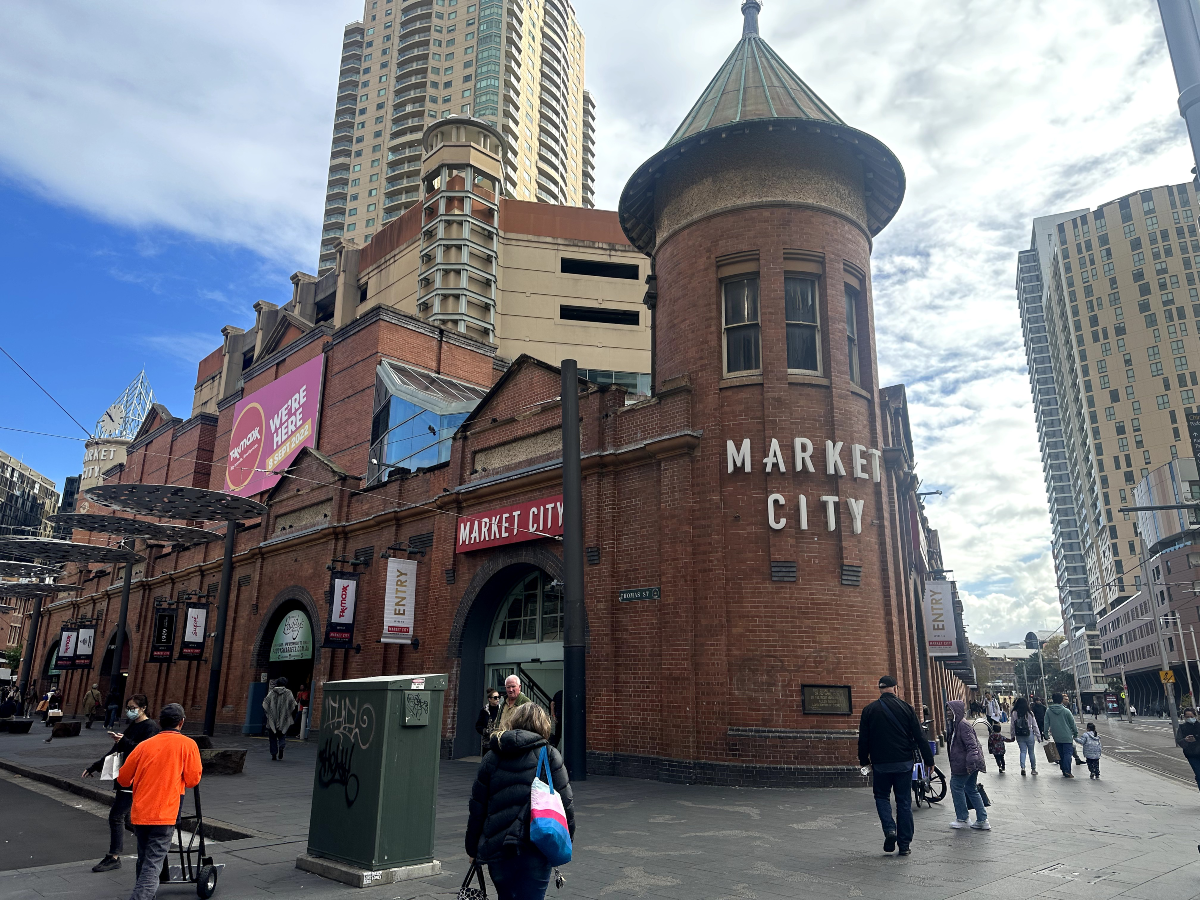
(213, 829)
(362, 878)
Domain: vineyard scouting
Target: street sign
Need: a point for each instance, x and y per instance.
(639, 594)
(1167, 676)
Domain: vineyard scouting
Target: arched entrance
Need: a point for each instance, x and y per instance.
(50, 673)
(286, 648)
(509, 622)
(106, 662)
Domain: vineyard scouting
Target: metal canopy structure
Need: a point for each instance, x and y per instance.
(24, 589)
(169, 534)
(10, 568)
(60, 552)
(170, 501)
(125, 416)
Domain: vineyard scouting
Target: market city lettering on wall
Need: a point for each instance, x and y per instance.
(856, 462)
(530, 521)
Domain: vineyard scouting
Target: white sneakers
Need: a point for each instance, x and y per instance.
(985, 825)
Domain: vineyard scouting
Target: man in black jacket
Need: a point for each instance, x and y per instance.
(1188, 739)
(889, 739)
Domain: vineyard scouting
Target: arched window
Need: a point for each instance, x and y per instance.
(532, 613)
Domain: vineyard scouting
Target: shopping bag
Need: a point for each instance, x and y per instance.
(467, 892)
(112, 767)
(547, 818)
(1051, 752)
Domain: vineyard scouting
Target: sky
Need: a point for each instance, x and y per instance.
(163, 168)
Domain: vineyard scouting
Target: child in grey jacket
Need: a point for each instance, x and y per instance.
(1092, 749)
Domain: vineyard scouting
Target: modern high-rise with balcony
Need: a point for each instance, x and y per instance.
(1107, 300)
(516, 64)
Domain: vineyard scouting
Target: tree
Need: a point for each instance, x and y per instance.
(983, 665)
(12, 657)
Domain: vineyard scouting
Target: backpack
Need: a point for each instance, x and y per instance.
(1021, 726)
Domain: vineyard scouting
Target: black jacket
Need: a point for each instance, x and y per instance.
(133, 735)
(9, 708)
(1193, 748)
(487, 718)
(880, 741)
(499, 821)
(1039, 712)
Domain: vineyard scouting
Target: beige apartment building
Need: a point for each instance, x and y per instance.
(516, 64)
(1109, 302)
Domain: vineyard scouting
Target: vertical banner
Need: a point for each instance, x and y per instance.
(399, 601)
(940, 636)
(195, 618)
(67, 642)
(84, 646)
(343, 595)
(1193, 427)
(162, 642)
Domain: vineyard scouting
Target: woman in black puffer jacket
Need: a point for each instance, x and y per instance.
(498, 829)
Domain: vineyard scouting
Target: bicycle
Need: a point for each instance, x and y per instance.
(929, 785)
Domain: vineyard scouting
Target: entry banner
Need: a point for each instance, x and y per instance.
(941, 638)
(343, 594)
(195, 619)
(162, 645)
(68, 639)
(529, 521)
(85, 645)
(399, 601)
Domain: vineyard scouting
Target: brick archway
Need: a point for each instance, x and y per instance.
(295, 595)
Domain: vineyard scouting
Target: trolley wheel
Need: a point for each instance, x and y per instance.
(937, 783)
(206, 882)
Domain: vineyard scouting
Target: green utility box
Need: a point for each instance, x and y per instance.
(374, 801)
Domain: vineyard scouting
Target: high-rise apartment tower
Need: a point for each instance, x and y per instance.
(516, 64)
(1108, 301)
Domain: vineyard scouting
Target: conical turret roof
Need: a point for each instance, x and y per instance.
(756, 90)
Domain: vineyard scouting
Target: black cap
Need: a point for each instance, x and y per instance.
(887, 681)
(172, 714)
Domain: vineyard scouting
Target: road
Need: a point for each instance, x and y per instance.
(40, 830)
(1148, 744)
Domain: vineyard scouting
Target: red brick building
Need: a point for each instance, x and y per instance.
(754, 554)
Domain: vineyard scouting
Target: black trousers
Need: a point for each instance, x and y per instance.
(118, 815)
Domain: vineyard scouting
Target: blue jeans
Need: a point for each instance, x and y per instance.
(1028, 749)
(964, 789)
(1194, 762)
(277, 740)
(883, 784)
(523, 877)
(153, 842)
(1066, 753)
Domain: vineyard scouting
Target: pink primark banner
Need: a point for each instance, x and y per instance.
(528, 521)
(270, 427)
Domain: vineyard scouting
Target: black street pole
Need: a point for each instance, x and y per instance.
(574, 711)
(218, 648)
(114, 669)
(30, 648)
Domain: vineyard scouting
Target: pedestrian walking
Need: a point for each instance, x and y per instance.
(996, 742)
(137, 729)
(1061, 728)
(1039, 713)
(1092, 749)
(486, 721)
(966, 762)
(1023, 728)
(1188, 740)
(498, 827)
(278, 707)
(93, 703)
(54, 712)
(890, 739)
(992, 708)
(10, 707)
(513, 698)
(158, 770)
(112, 708)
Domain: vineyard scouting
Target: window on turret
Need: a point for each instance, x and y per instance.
(743, 347)
(853, 295)
(800, 311)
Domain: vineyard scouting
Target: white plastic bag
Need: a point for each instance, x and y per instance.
(112, 766)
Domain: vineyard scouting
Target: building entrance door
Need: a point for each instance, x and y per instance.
(526, 640)
(290, 654)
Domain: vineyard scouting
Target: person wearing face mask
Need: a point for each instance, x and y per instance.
(1188, 740)
(138, 728)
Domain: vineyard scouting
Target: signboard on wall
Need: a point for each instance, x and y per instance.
(271, 426)
(941, 638)
(529, 521)
(67, 640)
(399, 601)
(343, 593)
(84, 647)
(195, 618)
(293, 638)
(162, 642)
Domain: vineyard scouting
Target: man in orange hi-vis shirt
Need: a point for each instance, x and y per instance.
(159, 770)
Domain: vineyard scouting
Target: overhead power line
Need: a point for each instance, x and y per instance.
(44, 391)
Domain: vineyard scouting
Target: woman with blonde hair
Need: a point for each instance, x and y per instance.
(498, 828)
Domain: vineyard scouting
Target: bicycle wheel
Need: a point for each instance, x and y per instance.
(937, 785)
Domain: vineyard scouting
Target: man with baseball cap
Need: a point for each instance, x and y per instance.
(890, 738)
(159, 770)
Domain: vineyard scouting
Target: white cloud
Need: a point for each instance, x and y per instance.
(215, 118)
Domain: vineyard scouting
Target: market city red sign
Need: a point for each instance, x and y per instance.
(270, 427)
(530, 521)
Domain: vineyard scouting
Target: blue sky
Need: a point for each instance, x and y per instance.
(165, 169)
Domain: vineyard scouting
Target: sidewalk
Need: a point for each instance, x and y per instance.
(1133, 835)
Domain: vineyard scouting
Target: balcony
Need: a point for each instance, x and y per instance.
(336, 217)
(336, 204)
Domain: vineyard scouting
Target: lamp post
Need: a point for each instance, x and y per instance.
(574, 713)
(1179, 18)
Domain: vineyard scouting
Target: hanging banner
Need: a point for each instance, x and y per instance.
(940, 636)
(195, 618)
(162, 642)
(84, 647)
(399, 601)
(530, 521)
(67, 641)
(271, 426)
(293, 638)
(343, 592)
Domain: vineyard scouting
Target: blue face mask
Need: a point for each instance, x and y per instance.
(132, 714)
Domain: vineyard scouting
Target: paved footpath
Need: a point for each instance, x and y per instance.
(1134, 834)
(1146, 743)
